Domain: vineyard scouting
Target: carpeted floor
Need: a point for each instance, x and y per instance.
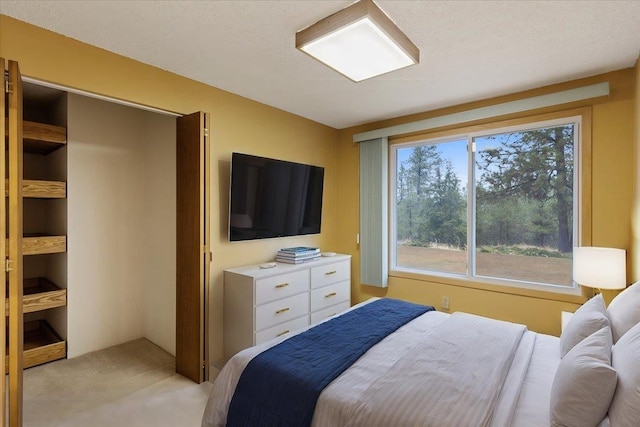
(132, 385)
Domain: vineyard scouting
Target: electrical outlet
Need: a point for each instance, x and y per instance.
(445, 303)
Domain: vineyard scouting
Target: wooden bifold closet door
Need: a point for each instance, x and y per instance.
(193, 255)
(11, 251)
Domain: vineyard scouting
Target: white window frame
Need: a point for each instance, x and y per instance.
(471, 205)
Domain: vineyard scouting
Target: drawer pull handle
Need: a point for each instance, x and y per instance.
(283, 310)
(282, 285)
(329, 273)
(283, 333)
(332, 294)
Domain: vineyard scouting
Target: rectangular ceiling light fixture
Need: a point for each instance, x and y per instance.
(359, 42)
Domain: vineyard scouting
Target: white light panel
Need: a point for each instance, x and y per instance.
(359, 51)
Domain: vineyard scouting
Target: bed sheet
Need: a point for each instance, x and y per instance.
(533, 408)
(523, 402)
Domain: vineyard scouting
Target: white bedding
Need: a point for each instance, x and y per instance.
(532, 409)
(523, 400)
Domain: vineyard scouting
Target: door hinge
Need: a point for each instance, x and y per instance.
(206, 132)
(7, 85)
(7, 265)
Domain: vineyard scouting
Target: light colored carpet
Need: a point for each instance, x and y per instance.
(133, 384)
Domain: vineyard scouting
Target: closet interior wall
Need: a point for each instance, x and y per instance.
(121, 225)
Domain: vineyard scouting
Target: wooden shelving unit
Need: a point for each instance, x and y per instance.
(38, 189)
(40, 294)
(40, 138)
(41, 344)
(33, 153)
(40, 244)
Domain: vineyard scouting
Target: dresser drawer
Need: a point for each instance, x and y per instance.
(281, 286)
(320, 315)
(283, 310)
(282, 329)
(330, 295)
(330, 273)
(261, 304)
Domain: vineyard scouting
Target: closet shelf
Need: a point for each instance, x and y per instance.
(40, 294)
(41, 344)
(44, 189)
(37, 244)
(40, 138)
(35, 189)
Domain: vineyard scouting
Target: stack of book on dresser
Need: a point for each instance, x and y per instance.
(298, 254)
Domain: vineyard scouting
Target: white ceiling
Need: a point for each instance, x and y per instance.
(469, 50)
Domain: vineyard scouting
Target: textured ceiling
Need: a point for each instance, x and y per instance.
(469, 50)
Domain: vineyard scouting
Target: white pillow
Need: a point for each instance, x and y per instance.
(624, 311)
(589, 318)
(584, 383)
(625, 406)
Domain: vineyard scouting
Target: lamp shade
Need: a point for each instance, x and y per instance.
(602, 268)
(359, 42)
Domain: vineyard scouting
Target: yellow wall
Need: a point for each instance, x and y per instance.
(237, 124)
(242, 125)
(613, 164)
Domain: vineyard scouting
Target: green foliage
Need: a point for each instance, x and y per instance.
(524, 251)
(431, 205)
(534, 169)
(524, 195)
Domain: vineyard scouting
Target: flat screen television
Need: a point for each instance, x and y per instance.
(273, 198)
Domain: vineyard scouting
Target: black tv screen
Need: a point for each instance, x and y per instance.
(273, 198)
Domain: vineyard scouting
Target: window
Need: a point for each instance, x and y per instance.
(503, 212)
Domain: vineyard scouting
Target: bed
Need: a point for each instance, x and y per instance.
(457, 369)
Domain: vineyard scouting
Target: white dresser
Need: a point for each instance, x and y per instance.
(262, 304)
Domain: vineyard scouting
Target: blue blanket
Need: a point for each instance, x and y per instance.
(280, 386)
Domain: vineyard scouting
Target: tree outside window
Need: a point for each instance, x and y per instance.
(522, 219)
